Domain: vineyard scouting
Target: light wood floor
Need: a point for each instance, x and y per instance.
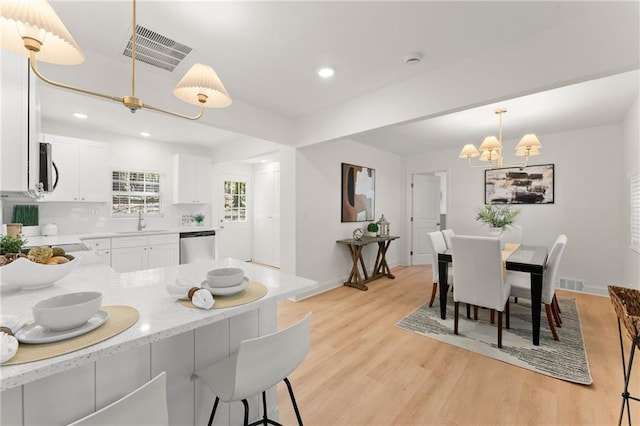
(363, 370)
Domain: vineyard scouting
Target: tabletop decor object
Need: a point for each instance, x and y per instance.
(358, 233)
(498, 218)
(67, 311)
(372, 229)
(25, 274)
(199, 218)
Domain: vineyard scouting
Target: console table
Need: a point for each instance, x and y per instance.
(380, 268)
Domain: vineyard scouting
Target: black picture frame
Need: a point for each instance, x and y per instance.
(520, 185)
(358, 193)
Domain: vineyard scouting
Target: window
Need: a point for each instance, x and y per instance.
(235, 201)
(635, 212)
(135, 191)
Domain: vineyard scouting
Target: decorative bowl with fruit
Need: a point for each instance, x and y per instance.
(37, 268)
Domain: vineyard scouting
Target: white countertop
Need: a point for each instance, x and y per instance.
(161, 316)
(53, 240)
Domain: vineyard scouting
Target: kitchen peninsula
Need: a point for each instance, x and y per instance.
(168, 336)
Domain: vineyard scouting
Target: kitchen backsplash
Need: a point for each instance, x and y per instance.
(86, 218)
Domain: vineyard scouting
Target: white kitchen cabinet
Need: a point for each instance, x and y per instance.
(83, 170)
(101, 247)
(143, 252)
(20, 118)
(191, 179)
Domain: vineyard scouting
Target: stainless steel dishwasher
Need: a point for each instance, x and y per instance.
(197, 245)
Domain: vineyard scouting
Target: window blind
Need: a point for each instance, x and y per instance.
(635, 212)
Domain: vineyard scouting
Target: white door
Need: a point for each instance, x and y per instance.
(266, 241)
(234, 239)
(425, 206)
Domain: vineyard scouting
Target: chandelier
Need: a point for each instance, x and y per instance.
(31, 27)
(491, 148)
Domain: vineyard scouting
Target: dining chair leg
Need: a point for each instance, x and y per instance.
(492, 316)
(213, 411)
(555, 300)
(265, 420)
(499, 329)
(550, 321)
(475, 312)
(456, 306)
(556, 316)
(434, 290)
(506, 309)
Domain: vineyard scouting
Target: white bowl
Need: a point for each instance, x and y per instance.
(225, 277)
(67, 311)
(26, 274)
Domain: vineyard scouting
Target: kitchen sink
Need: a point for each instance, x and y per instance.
(144, 231)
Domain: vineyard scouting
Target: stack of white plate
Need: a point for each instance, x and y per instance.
(225, 281)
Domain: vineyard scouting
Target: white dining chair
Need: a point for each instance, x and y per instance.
(447, 234)
(258, 365)
(437, 242)
(146, 405)
(478, 275)
(521, 284)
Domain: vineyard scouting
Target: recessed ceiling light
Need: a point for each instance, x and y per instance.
(80, 115)
(326, 72)
(145, 134)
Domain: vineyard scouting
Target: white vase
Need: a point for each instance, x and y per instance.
(498, 233)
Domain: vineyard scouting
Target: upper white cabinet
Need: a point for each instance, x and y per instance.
(20, 118)
(83, 170)
(191, 179)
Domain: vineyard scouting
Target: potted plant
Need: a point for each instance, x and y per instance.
(372, 229)
(199, 218)
(11, 244)
(498, 218)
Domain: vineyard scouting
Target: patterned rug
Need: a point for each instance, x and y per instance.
(565, 359)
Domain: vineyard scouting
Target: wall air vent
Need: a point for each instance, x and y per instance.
(574, 284)
(157, 50)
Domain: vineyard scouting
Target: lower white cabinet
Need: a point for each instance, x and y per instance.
(143, 252)
(101, 247)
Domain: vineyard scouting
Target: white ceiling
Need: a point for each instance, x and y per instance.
(266, 54)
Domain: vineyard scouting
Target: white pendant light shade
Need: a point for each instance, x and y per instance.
(35, 19)
(468, 151)
(489, 143)
(528, 141)
(202, 80)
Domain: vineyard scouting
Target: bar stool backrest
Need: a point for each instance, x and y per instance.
(264, 361)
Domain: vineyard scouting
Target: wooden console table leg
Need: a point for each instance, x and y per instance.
(382, 268)
(355, 279)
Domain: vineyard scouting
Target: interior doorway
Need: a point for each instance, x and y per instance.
(427, 213)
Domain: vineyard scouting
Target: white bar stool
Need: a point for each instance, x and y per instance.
(259, 364)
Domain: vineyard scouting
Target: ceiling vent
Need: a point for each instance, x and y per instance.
(157, 50)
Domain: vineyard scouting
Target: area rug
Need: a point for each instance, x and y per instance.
(565, 359)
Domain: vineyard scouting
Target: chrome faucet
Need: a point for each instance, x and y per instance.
(141, 222)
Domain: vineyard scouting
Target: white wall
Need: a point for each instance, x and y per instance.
(318, 205)
(631, 164)
(588, 197)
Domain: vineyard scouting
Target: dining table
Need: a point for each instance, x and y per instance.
(525, 258)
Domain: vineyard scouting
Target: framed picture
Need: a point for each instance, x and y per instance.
(358, 193)
(519, 185)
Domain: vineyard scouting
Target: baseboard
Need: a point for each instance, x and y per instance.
(327, 286)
